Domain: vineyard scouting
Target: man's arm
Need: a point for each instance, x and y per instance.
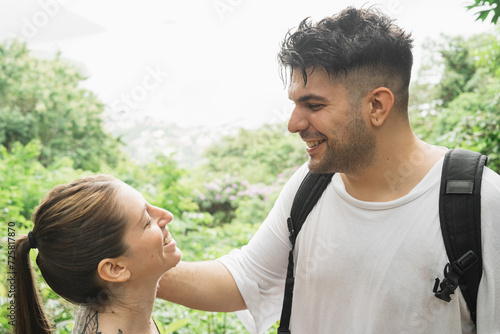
(205, 285)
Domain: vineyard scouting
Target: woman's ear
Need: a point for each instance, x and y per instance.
(382, 101)
(112, 270)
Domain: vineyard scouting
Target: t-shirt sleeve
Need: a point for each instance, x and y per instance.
(259, 268)
(488, 301)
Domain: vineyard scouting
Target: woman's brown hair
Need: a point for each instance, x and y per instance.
(75, 226)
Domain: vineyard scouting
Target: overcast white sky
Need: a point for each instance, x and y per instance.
(198, 62)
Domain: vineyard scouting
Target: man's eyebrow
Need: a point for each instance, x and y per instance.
(311, 97)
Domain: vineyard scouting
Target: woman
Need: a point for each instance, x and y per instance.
(102, 246)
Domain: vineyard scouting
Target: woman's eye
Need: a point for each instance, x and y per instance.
(149, 222)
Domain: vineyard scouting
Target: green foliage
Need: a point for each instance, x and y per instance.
(257, 155)
(487, 52)
(160, 181)
(222, 198)
(24, 179)
(172, 318)
(463, 108)
(486, 7)
(42, 99)
(259, 162)
(458, 71)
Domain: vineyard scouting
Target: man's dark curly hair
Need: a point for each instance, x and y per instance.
(361, 46)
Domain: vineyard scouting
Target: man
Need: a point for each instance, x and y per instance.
(369, 252)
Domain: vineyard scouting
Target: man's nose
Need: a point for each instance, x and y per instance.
(297, 121)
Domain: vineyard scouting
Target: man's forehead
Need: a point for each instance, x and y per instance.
(317, 81)
(300, 77)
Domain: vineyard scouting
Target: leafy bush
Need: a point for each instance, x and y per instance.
(221, 197)
(42, 99)
(463, 109)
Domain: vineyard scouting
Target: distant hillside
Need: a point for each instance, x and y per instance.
(147, 137)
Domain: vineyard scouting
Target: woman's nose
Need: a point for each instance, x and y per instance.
(165, 217)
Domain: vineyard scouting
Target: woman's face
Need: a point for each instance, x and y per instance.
(151, 249)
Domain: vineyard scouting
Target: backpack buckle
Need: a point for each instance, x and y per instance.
(452, 274)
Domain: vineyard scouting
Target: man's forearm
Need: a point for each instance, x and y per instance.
(206, 285)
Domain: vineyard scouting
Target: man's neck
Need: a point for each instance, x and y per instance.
(395, 172)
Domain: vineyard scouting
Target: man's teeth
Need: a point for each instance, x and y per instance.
(168, 238)
(313, 143)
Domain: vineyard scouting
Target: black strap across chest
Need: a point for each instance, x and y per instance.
(308, 194)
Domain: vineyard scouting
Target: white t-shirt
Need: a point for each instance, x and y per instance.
(366, 267)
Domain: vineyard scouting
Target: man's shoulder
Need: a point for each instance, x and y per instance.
(491, 183)
(297, 177)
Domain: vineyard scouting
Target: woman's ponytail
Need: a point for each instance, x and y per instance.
(75, 226)
(30, 317)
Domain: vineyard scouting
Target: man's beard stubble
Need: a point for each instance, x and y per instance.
(355, 151)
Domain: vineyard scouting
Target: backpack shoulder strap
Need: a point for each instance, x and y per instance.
(307, 196)
(460, 216)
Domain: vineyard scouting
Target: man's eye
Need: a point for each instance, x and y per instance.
(315, 107)
(148, 223)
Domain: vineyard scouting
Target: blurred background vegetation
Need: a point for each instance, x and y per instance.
(51, 132)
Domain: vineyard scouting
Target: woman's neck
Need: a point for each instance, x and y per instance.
(130, 312)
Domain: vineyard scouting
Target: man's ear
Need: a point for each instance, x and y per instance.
(112, 270)
(382, 101)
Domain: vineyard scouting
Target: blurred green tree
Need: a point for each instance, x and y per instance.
(463, 107)
(256, 155)
(244, 173)
(42, 99)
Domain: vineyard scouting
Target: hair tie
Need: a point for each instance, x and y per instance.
(31, 240)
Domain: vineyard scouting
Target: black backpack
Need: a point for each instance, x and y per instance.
(460, 217)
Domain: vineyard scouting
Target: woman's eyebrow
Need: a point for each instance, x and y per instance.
(144, 212)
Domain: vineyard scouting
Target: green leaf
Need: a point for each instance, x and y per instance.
(173, 326)
(482, 15)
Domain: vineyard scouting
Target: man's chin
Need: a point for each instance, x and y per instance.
(317, 167)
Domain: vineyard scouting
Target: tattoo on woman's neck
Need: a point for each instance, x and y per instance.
(91, 324)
